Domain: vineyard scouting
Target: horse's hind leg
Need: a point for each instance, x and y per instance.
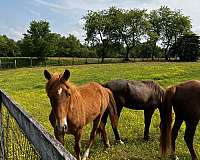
(177, 124)
(104, 135)
(105, 116)
(189, 136)
(96, 123)
(115, 124)
(147, 120)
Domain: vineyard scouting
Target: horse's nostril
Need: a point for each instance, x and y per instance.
(65, 128)
(59, 128)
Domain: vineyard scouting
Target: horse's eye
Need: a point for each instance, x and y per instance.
(67, 94)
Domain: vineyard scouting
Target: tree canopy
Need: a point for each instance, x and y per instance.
(112, 32)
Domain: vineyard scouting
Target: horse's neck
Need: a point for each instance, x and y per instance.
(76, 99)
(76, 111)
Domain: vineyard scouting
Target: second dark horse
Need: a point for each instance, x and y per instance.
(139, 95)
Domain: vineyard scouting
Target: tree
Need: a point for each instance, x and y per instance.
(96, 24)
(154, 31)
(36, 43)
(73, 44)
(186, 47)
(174, 24)
(127, 27)
(8, 47)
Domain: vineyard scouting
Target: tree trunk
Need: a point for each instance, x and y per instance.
(153, 51)
(127, 54)
(103, 55)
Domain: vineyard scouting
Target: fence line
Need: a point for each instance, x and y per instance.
(47, 147)
(16, 62)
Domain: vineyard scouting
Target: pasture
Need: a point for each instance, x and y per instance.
(27, 87)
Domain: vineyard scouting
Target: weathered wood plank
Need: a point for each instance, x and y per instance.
(1, 133)
(44, 143)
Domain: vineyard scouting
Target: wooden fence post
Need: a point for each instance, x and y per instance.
(1, 131)
(15, 63)
(31, 62)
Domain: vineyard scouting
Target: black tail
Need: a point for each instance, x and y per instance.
(166, 121)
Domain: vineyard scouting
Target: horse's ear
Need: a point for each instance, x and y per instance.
(66, 74)
(47, 75)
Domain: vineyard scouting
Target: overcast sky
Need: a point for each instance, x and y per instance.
(65, 16)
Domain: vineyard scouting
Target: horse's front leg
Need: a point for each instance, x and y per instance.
(147, 121)
(77, 143)
(96, 123)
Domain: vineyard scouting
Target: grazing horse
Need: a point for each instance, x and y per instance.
(139, 95)
(74, 107)
(185, 99)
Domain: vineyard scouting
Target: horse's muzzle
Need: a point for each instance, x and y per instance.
(62, 128)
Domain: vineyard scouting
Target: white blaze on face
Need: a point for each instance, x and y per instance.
(59, 91)
(64, 121)
(62, 125)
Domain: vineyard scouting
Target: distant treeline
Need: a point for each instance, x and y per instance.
(113, 32)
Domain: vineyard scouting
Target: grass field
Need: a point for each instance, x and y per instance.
(26, 86)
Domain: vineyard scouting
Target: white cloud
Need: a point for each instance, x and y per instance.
(48, 4)
(15, 33)
(35, 13)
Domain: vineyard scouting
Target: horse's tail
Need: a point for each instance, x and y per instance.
(112, 110)
(105, 115)
(166, 120)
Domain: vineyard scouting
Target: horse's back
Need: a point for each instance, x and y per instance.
(119, 90)
(94, 92)
(134, 94)
(186, 100)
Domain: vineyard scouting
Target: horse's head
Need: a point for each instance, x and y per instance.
(59, 94)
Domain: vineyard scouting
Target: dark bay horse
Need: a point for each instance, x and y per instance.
(185, 99)
(139, 95)
(74, 107)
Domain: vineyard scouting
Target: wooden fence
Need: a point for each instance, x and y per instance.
(47, 147)
(17, 62)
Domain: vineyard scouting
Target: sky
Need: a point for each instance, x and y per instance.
(65, 16)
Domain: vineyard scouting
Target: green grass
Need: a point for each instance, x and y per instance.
(26, 86)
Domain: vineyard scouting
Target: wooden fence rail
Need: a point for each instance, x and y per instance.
(44, 143)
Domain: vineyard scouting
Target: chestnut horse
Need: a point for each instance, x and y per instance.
(74, 107)
(139, 95)
(185, 99)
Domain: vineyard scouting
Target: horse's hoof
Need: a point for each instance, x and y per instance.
(86, 154)
(106, 146)
(146, 139)
(176, 158)
(119, 142)
(173, 157)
